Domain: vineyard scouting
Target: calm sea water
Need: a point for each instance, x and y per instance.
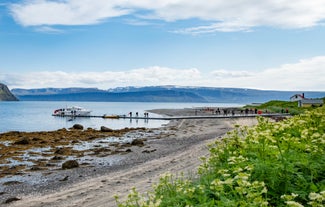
(37, 116)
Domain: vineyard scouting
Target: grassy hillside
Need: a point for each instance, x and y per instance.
(271, 164)
(280, 106)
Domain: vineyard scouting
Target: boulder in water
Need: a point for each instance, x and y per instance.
(78, 126)
(105, 129)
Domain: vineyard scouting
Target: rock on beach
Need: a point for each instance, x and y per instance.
(70, 164)
(78, 126)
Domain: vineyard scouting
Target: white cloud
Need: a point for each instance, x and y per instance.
(307, 74)
(137, 22)
(231, 74)
(49, 30)
(216, 27)
(222, 15)
(137, 77)
(66, 12)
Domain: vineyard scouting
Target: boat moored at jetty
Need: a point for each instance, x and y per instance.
(113, 116)
(72, 111)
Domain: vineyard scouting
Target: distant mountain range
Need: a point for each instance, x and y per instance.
(159, 94)
(5, 94)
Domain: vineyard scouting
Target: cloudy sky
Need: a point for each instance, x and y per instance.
(269, 44)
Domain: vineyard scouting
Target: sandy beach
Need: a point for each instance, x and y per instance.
(175, 149)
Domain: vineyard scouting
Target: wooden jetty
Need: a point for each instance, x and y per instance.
(180, 117)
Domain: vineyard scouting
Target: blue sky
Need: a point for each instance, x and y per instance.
(273, 45)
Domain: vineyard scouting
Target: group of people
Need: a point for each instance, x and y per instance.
(245, 111)
(226, 111)
(146, 114)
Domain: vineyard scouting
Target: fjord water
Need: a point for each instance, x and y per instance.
(37, 116)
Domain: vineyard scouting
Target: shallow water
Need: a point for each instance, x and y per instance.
(31, 156)
(37, 116)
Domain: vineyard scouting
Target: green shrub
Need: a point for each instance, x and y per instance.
(271, 164)
(281, 106)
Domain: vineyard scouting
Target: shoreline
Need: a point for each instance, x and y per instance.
(176, 149)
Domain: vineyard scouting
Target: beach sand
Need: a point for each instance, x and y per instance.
(176, 149)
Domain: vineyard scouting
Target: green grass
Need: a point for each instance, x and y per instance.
(271, 164)
(280, 106)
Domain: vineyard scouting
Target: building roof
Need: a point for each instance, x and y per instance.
(298, 95)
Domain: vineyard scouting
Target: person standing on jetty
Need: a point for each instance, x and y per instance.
(225, 112)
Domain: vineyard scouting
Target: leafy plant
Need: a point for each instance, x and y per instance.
(271, 164)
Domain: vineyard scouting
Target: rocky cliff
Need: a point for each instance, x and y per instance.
(5, 94)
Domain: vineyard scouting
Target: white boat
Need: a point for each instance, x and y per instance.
(71, 111)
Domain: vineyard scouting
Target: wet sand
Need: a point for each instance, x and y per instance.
(174, 148)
